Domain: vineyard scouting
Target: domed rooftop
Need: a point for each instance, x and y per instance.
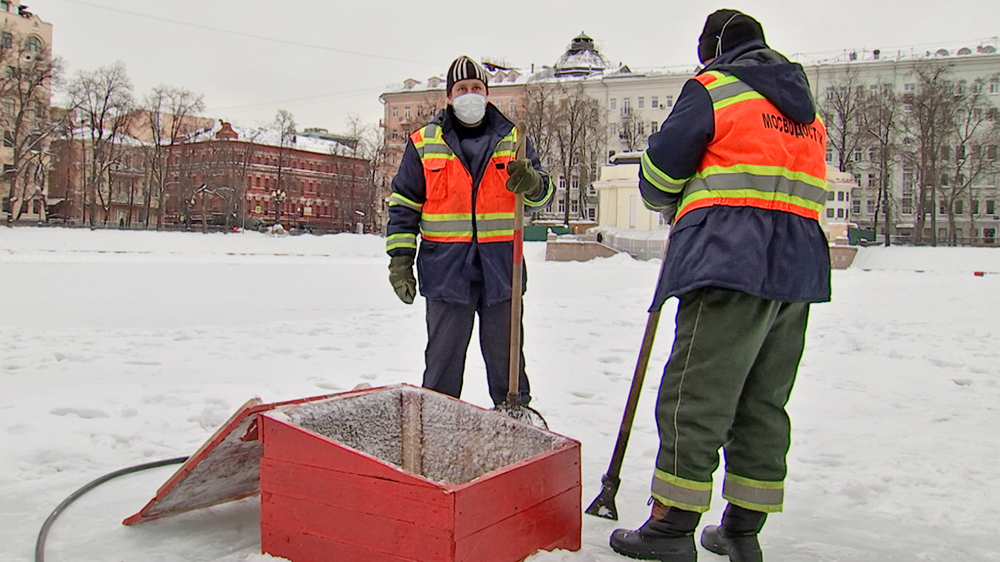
(581, 58)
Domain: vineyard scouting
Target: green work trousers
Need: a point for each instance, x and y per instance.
(727, 381)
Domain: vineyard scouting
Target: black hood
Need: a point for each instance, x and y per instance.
(781, 81)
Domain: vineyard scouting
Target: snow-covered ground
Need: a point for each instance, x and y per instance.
(118, 348)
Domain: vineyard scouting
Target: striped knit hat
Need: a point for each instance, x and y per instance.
(464, 68)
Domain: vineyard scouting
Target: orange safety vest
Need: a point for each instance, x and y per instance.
(447, 214)
(758, 157)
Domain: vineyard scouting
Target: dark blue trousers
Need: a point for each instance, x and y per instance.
(449, 330)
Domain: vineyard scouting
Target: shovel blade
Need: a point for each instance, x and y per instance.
(604, 504)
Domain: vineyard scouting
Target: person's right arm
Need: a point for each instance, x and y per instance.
(677, 149)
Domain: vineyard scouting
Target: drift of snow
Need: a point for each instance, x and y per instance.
(127, 347)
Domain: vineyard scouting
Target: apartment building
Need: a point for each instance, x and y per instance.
(25, 47)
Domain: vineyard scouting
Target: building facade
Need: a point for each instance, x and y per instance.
(26, 54)
(251, 178)
(635, 103)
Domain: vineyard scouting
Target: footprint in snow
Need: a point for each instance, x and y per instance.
(610, 359)
(581, 394)
(962, 382)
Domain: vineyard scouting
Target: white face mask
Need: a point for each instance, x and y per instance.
(469, 108)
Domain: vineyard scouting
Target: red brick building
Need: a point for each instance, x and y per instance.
(220, 177)
(252, 177)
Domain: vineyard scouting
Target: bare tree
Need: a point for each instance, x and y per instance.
(104, 100)
(633, 131)
(166, 110)
(370, 144)
(567, 130)
(284, 123)
(578, 120)
(929, 123)
(25, 86)
(974, 132)
(880, 122)
(842, 109)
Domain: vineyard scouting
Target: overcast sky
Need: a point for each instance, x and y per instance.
(326, 59)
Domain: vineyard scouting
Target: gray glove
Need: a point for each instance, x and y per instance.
(402, 279)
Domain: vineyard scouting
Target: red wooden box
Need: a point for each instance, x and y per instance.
(388, 474)
(404, 474)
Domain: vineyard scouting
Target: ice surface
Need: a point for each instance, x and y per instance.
(891, 458)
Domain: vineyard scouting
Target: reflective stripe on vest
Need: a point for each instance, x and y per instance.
(447, 214)
(758, 158)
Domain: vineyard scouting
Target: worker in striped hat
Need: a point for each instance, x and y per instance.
(456, 188)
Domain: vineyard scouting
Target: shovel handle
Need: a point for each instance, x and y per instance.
(516, 285)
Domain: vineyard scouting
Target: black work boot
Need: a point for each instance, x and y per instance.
(737, 536)
(667, 536)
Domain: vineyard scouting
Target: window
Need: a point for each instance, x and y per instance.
(613, 128)
(858, 154)
(654, 102)
(942, 208)
(991, 152)
(870, 206)
(995, 86)
(909, 88)
(574, 207)
(830, 196)
(626, 106)
(653, 127)
(977, 86)
(8, 139)
(975, 206)
(829, 154)
(561, 206)
(591, 213)
(406, 112)
(831, 93)
(829, 213)
(6, 40)
(856, 206)
(961, 88)
(642, 103)
(562, 183)
(613, 103)
(990, 235)
(5, 6)
(840, 196)
(511, 106)
(395, 112)
(871, 154)
(33, 44)
(840, 213)
(991, 207)
(959, 207)
(668, 101)
(906, 203)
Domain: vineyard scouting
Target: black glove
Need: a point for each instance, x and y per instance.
(523, 177)
(401, 277)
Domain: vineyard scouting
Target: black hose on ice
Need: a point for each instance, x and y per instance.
(44, 532)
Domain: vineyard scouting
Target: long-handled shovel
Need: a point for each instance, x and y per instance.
(604, 504)
(512, 405)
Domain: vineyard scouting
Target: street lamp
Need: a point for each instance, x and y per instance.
(279, 197)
